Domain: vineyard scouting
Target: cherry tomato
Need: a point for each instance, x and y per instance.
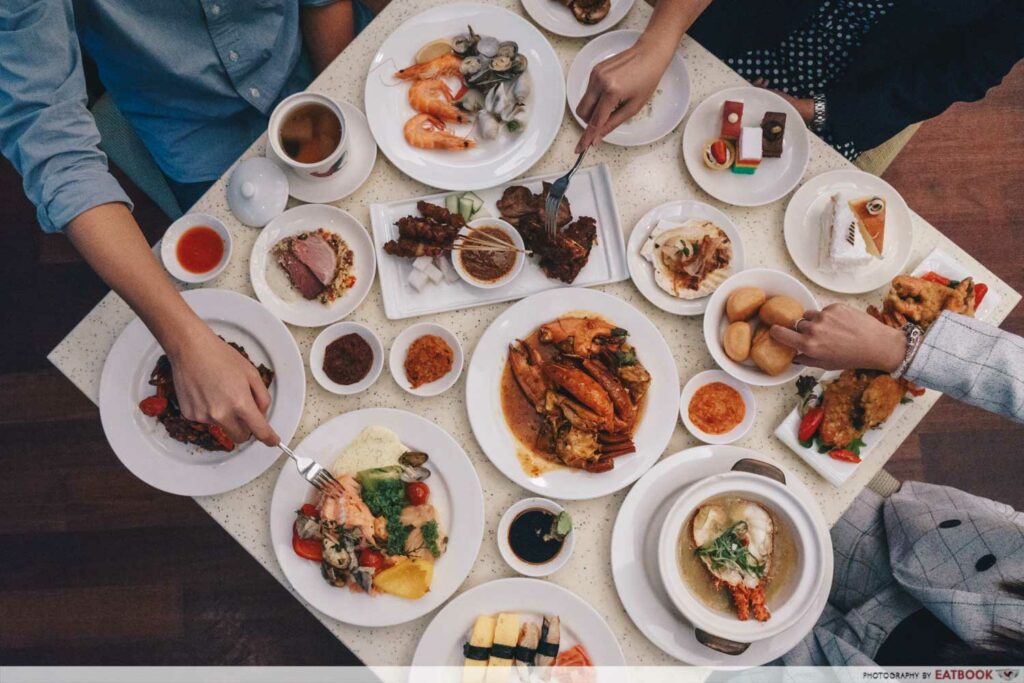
(371, 558)
(310, 511)
(307, 548)
(980, 290)
(932, 276)
(915, 390)
(417, 492)
(153, 406)
(217, 432)
(810, 423)
(844, 455)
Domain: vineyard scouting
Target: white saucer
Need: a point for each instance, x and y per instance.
(362, 155)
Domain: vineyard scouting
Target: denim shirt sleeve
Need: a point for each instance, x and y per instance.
(46, 131)
(973, 362)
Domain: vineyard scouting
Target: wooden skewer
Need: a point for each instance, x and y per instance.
(508, 250)
(498, 245)
(478, 235)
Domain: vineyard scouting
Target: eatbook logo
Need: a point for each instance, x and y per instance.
(1009, 674)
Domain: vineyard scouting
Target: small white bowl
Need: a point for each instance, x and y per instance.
(400, 347)
(774, 283)
(707, 377)
(323, 340)
(517, 240)
(526, 568)
(169, 247)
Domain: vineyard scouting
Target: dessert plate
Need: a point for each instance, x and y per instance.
(803, 231)
(554, 16)
(774, 178)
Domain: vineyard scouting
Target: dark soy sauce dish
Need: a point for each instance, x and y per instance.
(535, 535)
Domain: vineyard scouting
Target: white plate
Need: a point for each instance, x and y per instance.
(441, 644)
(944, 264)
(319, 348)
(361, 152)
(666, 108)
(774, 283)
(774, 178)
(803, 230)
(169, 246)
(455, 493)
(142, 443)
(707, 377)
(642, 271)
(483, 393)
(559, 19)
(282, 299)
(590, 194)
(492, 162)
(400, 348)
(634, 556)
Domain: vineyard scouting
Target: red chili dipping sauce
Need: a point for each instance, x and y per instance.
(200, 249)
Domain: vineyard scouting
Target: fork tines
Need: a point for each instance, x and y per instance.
(323, 480)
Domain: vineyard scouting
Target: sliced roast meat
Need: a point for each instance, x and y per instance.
(317, 255)
(301, 276)
(516, 201)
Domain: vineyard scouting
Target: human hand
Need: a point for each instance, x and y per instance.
(216, 385)
(804, 106)
(618, 88)
(840, 337)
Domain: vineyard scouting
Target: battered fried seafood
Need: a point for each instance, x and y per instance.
(858, 400)
(921, 301)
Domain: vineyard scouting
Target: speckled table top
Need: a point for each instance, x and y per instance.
(643, 178)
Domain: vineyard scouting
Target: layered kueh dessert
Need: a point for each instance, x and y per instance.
(773, 129)
(748, 151)
(732, 119)
(848, 242)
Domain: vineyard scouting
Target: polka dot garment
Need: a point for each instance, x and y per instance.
(810, 58)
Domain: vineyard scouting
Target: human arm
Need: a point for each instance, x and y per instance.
(621, 85)
(327, 29)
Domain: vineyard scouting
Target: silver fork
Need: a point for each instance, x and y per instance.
(555, 196)
(313, 472)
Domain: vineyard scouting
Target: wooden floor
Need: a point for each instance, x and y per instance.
(98, 568)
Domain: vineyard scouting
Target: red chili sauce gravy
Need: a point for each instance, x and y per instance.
(200, 249)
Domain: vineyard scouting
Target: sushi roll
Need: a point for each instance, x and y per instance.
(547, 649)
(478, 650)
(526, 650)
(506, 635)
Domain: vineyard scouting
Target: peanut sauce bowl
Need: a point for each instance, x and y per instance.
(516, 242)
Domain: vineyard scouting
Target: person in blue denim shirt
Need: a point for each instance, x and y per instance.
(197, 80)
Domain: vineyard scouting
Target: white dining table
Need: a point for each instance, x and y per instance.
(643, 177)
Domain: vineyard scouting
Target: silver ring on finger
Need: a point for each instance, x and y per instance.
(796, 325)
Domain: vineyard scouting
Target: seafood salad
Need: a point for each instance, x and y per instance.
(572, 392)
(468, 80)
(378, 532)
(498, 642)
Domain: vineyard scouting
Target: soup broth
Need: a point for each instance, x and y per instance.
(310, 133)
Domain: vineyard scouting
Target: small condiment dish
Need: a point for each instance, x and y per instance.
(517, 241)
(169, 247)
(319, 348)
(521, 566)
(708, 377)
(400, 347)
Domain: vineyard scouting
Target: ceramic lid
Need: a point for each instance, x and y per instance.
(257, 191)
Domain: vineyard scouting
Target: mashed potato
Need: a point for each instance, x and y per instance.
(374, 447)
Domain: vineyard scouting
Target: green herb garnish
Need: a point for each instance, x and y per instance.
(429, 531)
(625, 357)
(729, 550)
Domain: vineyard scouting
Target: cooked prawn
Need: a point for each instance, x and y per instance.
(429, 132)
(432, 96)
(348, 508)
(445, 65)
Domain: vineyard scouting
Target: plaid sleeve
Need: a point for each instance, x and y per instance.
(973, 362)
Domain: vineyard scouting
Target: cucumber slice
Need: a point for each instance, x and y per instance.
(451, 202)
(477, 202)
(466, 207)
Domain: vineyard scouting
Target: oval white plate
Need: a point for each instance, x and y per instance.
(492, 162)
(634, 556)
(774, 178)
(667, 108)
(400, 347)
(559, 19)
(319, 348)
(361, 153)
(774, 283)
(707, 377)
(454, 490)
(803, 230)
(289, 305)
(441, 644)
(169, 247)
(483, 392)
(512, 560)
(142, 443)
(642, 271)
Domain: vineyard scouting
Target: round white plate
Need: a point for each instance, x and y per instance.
(283, 300)
(634, 555)
(559, 19)
(774, 178)
(707, 377)
(400, 348)
(492, 162)
(803, 230)
(142, 443)
(441, 644)
(642, 271)
(319, 349)
(454, 492)
(361, 153)
(659, 117)
(483, 392)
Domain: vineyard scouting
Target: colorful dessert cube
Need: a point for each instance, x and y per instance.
(732, 119)
(748, 151)
(773, 129)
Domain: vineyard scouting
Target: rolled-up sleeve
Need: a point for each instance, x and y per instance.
(973, 362)
(46, 131)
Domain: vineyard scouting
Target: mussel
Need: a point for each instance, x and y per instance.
(488, 46)
(519, 63)
(473, 66)
(501, 64)
(413, 469)
(507, 48)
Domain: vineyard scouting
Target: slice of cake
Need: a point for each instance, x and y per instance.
(842, 245)
(870, 211)
(748, 151)
(773, 130)
(732, 119)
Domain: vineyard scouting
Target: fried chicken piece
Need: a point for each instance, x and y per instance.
(921, 301)
(843, 420)
(880, 399)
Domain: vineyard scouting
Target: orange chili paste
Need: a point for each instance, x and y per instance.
(429, 359)
(716, 408)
